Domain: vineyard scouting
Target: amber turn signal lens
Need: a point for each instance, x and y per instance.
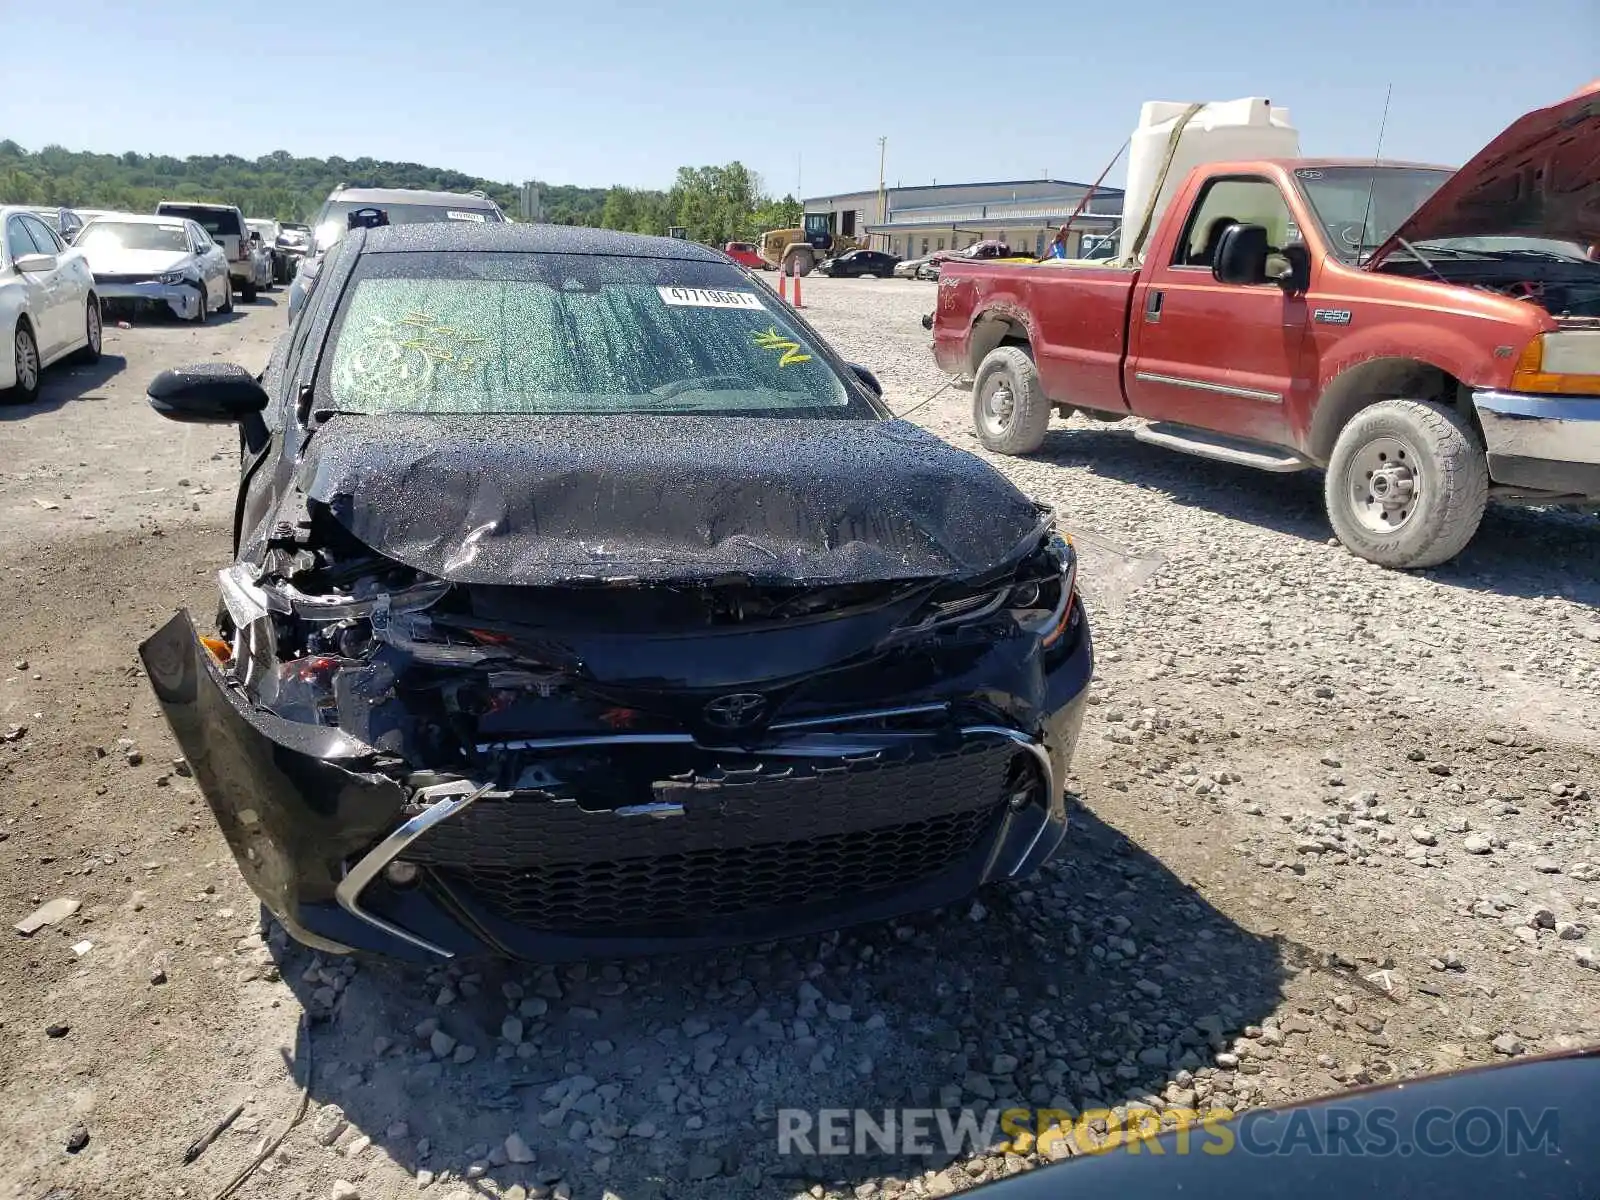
(1531, 375)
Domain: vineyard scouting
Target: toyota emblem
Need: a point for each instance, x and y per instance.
(737, 711)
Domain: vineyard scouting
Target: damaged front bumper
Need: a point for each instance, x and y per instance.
(844, 813)
(182, 300)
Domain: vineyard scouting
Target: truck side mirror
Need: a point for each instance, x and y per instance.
(1241, 255)
(1290, 269)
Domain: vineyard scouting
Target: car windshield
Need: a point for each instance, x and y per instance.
(264, 228)
(133, 235)
(1361, 207)
(218, 222)
(562, 333)
(335, 219)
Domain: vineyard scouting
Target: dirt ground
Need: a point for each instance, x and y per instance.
(1332, 825)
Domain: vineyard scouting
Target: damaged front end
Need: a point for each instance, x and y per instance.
(425, 768)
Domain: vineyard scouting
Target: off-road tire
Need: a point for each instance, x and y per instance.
(1010, 367)
(1453, 488)
(798, 262)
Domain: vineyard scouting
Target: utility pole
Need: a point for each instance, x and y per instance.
(883, 196)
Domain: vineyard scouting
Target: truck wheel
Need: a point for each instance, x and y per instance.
(248, 291)
(1407, 484)
(798, 262)
(1009, 411)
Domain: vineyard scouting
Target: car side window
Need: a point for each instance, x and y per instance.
(1231, 201)
(43, 236)
(18, 242)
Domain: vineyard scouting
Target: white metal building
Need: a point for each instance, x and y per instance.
(1024, 213)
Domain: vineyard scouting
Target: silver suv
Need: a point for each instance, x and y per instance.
(225, 224)
(401, 206)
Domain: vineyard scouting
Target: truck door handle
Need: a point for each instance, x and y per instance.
(1152, 308)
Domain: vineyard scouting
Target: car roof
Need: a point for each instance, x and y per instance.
(199, 204)
(138, 218)
(530, 239)
(362, 195)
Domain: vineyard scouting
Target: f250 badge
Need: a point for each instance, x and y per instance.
(1331, 316)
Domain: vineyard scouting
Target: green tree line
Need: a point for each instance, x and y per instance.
(715, 204)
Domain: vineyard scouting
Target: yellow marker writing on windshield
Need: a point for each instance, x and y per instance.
(771, 339)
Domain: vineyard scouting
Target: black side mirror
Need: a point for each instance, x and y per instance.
(1290, 269)
(1241, 255)
(868, 379)
(207, 394)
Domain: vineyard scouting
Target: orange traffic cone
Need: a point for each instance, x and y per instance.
(797, 303)
(783, 282)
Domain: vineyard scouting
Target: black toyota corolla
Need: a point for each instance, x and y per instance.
(585, 603)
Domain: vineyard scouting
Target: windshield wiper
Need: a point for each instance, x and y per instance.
(1499, 255)
(1435, 248)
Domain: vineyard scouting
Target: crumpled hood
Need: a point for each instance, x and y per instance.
(108, 260)
(1540, 178)
(547, 500)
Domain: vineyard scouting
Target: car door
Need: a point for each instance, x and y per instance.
(205, 270)
(1218, 356)
(41, 297)
(212, 265)
(69, 285)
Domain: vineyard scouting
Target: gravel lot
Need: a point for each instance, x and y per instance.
(1334, 825)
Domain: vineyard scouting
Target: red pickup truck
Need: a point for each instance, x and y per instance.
(1426, 337)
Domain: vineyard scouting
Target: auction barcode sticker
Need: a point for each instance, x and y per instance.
(708, 298)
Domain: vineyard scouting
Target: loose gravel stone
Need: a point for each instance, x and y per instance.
(328, 1124)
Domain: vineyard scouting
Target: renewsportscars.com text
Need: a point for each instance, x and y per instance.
(1374, 1132)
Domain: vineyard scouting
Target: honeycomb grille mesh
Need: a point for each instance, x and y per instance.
(746, 842)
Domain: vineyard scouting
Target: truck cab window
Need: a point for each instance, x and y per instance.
(1226, 202)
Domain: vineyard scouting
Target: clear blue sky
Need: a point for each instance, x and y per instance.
(597, 92)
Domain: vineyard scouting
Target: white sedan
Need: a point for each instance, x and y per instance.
(48, 305)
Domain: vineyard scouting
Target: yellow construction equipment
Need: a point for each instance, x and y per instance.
(797, 251)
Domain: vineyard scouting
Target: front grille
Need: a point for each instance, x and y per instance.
(682, 889)
(124, 278)
(748, 841)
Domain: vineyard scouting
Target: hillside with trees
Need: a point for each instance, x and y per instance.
(715, 204)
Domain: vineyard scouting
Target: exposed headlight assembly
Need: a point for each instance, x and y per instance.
(1042, 600)
(1039, 598)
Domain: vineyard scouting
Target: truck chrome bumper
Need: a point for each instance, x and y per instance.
(1543, 443)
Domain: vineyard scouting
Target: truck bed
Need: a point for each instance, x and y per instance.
(1073, 314)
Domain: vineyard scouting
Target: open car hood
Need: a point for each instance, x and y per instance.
(1540, 178)
(542, 501)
